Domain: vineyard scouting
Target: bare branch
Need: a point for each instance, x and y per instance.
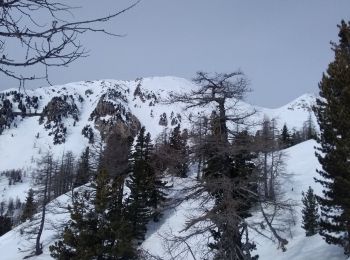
(46, 44)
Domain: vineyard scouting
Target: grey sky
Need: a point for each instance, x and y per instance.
(281, 45)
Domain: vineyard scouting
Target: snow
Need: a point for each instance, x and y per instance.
(15, 246)
(301, 165)
(20, 149)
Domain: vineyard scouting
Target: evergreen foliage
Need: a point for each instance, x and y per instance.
(5, 224)
(285, 136)
(84, 169)
(155, 190)
(333, 115)
(100, 226)
(145, 187)
(96, 230)
(179, 151)
(310, 213)
(29, 206)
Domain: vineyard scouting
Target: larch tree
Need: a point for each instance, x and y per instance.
(222, 180)
(43, 176)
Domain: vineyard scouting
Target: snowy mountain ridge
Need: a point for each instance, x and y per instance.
(72, 116)
(97, 104)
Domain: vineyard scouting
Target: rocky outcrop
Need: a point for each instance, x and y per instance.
(112, 115)
(54, 112)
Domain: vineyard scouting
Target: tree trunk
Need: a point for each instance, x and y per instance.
(266, 190)
(223, 126)
(38, 245)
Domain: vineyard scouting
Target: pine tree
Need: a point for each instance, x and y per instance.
(155, 190)
(78, 239)
(333, 115)
(138, 211)
(285, 136)
(310, 213)
(98, 228)
(5, 224)
(84, 169)
(179, 151)
(29, 206)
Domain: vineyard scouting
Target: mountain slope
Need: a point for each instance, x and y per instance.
(140, 98)
(301, 165)
(70, 117)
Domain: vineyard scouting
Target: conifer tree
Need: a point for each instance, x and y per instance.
(47, 168)
(285, 136)
(29, 206)
(84, 169)
(139, 212)
(220, 180)
(155, 192)
(333, 115)
(5, 224)
(310, 213)
(62, 180)
(78, 239)
(95, 231)
(179, 151)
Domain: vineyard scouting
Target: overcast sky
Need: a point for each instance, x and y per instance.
(281, 45)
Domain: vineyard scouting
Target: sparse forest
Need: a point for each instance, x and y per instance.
(117, 165)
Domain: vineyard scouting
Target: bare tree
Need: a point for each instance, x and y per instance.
(221, 92)
(47, 34)
(62, 180)
(229, 183)
(47, 167)
(270, 160)
(227, 172)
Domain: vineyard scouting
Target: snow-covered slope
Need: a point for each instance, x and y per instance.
(140, 97)
(25, 139)
(95, 106)
(301, 165)
(294, 113)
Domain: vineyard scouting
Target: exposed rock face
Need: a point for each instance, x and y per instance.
(305, 102)
(59, 107)
(145, 95)
(111, 115)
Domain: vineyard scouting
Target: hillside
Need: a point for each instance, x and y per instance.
(70, 117)
(300, 171)
(88, 104)
(301, 165)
